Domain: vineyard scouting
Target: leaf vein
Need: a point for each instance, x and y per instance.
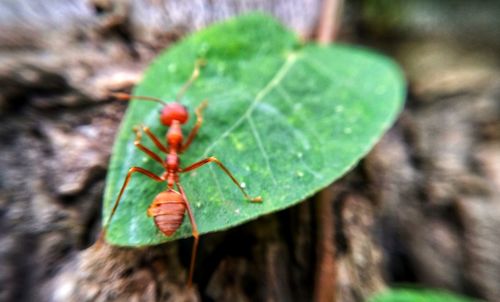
(216, 181)
(261, 148)
(288, 100)
(317, 66)
(306, 124)
(277, 78)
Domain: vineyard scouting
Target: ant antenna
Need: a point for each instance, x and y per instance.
(196, 72)
(127, 97)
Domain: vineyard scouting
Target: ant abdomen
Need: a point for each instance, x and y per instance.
(168, 209)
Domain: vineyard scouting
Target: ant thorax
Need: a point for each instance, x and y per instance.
(174, 135)
(172, 161)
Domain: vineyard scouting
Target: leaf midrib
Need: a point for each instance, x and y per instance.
(291, 59)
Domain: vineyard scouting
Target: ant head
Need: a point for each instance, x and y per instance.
(170, 112)
(173, 111)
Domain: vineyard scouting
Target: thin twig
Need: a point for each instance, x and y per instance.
(330, 21)
(326, 268)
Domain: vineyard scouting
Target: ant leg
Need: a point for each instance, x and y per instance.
(196, 127)
(125, 183)
(137, 143)
(215, 160)
(195, 234)
(155, 140)
(196, 72)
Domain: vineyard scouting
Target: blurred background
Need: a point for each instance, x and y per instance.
(422, 209)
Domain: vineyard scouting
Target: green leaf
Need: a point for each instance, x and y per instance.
(287, 119)
(418, 295)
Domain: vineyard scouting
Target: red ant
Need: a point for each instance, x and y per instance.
(168, 207)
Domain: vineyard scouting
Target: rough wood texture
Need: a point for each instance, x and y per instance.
(423, 207)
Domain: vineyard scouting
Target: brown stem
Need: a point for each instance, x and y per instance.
(325, 279)
(329, 21)
(326, 269)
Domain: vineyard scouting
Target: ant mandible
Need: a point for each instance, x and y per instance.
(169, 207)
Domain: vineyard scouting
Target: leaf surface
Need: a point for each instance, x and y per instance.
(418, 295)
(286, 118)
